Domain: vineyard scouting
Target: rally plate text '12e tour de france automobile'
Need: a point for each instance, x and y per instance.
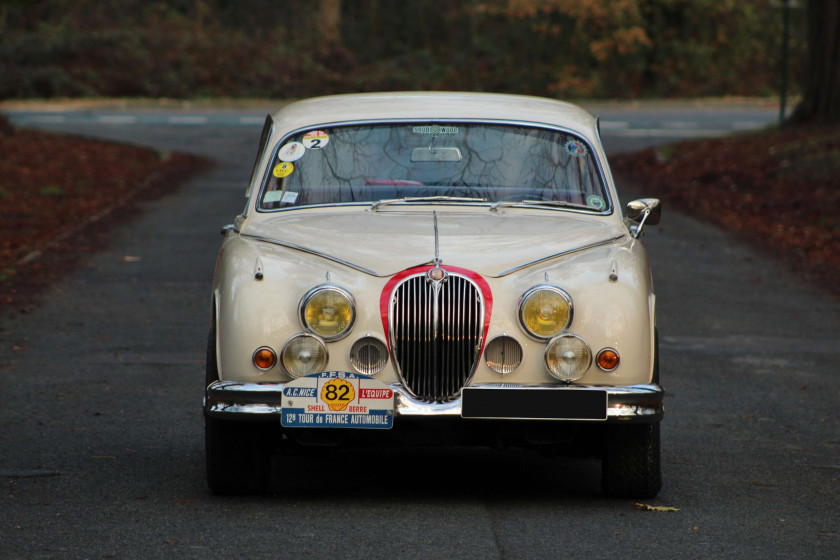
(337, 399)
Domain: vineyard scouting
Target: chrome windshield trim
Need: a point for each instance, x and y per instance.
(560, 254)
(312, 252)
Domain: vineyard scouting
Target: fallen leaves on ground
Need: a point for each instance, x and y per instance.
(779, 189)
(62, 193)
(646, 507)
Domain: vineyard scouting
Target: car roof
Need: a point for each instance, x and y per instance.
(433, 106)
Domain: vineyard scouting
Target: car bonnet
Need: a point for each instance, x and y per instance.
(386, 242)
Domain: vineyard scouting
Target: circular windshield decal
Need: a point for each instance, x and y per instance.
(575, 148)
(596, 202)
(283, 170)
(292, 151)
(316, 139)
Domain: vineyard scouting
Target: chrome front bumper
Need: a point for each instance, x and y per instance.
(263, 401)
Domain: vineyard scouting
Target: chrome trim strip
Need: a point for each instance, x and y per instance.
(313, 252)
(561, 254)
(233, 398)
(407, 405)
(263, 401)
(379, 275)
(227, 410)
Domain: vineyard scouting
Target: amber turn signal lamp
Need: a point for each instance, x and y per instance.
(265, 358)
(607, 359)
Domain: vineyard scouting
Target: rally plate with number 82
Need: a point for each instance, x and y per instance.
(337, 399)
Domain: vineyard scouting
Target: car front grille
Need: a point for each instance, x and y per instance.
(436, 334)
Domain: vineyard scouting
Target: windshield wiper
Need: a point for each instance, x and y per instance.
(554, 203)
(379, 203)
(561, 203)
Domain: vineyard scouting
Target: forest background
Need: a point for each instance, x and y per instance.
(294, 48)
(571, 49)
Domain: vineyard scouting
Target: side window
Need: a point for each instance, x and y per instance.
(266, 133)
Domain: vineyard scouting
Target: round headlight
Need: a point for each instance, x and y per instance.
(545, 311)
(503, 354)
(368, 355)
(328, 311)
(568, 357)
(304, 354)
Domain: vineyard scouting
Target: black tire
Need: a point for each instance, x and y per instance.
(631, 462)
(655, 356)
(211, 368)
(238, 454)
(238, 457)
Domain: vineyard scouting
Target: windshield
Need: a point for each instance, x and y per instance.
(481, 162)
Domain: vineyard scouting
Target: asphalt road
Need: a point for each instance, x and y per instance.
(101, 433)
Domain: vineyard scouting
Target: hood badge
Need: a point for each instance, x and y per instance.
(437, 275)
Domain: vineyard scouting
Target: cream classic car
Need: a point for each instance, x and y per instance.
(435, 269)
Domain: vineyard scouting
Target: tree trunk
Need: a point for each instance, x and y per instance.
(329, 21)
(821, 97)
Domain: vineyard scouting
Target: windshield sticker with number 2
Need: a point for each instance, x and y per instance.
(316, 140)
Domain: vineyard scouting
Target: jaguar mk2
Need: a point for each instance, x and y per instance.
(434, 268)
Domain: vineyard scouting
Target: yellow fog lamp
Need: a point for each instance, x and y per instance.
(568, 357)
(328, 311)
(545, 311)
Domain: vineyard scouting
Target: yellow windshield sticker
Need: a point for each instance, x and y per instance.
(284, 169)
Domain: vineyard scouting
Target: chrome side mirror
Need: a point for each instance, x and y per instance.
(643, 211)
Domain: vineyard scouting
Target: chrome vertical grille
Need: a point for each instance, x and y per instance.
(436, 334)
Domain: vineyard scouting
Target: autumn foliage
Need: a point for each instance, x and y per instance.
(296, 48)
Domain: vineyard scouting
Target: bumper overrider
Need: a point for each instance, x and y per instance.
(635, 403)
